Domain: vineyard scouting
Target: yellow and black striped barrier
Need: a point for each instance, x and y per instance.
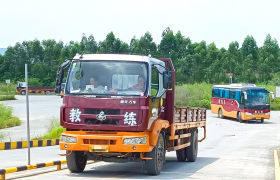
(277, 165)
(3, 172)
(24, 144)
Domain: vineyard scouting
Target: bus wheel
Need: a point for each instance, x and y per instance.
(239, 118)
(220, 113)
(76, 161)
(155, 165)
(191, 151)
(22, 92)
(262, 120)
(181, 155)
(48, 92)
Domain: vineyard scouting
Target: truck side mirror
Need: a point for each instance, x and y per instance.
(167, 79)
(60, 74)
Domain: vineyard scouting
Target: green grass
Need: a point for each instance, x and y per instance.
(6, 118)
(194, 95)
(7, 89)
(7, 97)
(54, 130)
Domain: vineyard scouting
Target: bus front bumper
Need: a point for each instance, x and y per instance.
(105, 142)
(256, 117)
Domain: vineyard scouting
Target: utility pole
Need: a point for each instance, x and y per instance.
(27, 112)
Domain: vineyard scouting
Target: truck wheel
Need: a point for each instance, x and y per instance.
(22, 92)
(191, 151)
(220, 113)
(155, 165)
(239, 118)
(181, 155)
(76, 161)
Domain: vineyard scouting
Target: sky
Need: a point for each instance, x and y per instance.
(218, 21)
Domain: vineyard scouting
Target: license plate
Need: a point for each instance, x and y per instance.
(99, 148)
(258, 118)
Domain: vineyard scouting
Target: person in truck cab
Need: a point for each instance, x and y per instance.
(140, 86)
(94, 82)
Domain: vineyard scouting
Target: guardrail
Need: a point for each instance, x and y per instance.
(277, 165)
(3, 172)
(24, 144)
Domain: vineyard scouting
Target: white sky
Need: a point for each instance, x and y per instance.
(219, 21)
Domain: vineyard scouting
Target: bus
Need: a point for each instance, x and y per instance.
(241, 101)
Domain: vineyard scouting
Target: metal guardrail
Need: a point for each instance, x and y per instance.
(24, 144)
(3, 172)
(277, 165)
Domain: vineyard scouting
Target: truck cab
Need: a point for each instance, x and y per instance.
(117, 108)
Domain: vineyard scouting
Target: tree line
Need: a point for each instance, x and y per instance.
(194, 62)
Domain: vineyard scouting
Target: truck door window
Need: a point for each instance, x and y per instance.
(155, 82)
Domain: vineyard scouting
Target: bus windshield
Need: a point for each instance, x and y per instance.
(257, 97)
(107, 78)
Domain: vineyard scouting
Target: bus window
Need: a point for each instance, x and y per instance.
(215, 92)
(227, 93)
(232, 94)
(237, 96)
(222, 93)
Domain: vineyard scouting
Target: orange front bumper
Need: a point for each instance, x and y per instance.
(112, 141)
(256, 116)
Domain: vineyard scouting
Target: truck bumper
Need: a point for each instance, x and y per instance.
(96, 141)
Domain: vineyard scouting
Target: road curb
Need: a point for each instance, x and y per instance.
(24, 144)
(277, 165)
(3, 172)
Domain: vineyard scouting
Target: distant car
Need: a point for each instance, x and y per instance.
(62, 87)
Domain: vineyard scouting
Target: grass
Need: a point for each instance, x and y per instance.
(7, 89)
(7, 97)
(7, 92)
(54, 130)
(194, 95)
(6, 118)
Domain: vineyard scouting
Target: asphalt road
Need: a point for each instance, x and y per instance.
(42, 109)
(232, 150)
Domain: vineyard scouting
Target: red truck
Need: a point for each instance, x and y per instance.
(120, 108)
(21, 89)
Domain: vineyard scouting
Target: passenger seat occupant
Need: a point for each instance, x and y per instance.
(140, 86)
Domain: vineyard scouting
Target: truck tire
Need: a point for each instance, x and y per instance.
(22, 92)
(239, 118)
(181, 155)
(191, 151)
(76, 161)
(155, 165)
(220, 113)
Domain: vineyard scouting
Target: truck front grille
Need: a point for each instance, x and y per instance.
(107, 121)
(106, 111)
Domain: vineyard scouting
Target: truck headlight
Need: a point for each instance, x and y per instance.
(131, 141)
(68, 139)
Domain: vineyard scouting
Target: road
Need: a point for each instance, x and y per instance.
(232, 150)
(42, 109)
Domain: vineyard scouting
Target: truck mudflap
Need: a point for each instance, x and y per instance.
(98, 141)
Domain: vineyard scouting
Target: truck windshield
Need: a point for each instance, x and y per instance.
(257, 97)
(107, 78)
